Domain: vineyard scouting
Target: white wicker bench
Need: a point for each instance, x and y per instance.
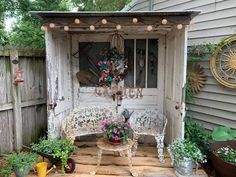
(149, 122)
(86, 121)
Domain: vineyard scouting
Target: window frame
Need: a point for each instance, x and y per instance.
(161, 55)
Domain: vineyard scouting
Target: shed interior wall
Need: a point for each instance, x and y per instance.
(171, 73)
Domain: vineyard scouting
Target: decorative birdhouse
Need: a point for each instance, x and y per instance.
(19, 76)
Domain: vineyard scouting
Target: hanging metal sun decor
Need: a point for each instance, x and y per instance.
(196, 77)
(223, 63)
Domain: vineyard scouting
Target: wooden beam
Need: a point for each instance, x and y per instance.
(16, 97)
(24, 52)
(9, 106)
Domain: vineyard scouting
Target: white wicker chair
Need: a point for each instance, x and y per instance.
(149, 122)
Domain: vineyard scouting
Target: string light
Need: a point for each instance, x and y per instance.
(104, 21)
(164, 21)
(118, 27)
(77, 21)
(52, 25)
(66, 28)
(179, 26)
(149, 27)
(135, 20)
(44, 28)
(191, 22)
(92, 27)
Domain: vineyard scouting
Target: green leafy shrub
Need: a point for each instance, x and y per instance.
(181, 149)
(188, 91)
(197, 134)
(19, 160)
(57, 148)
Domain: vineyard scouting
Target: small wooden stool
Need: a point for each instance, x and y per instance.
(102, 144)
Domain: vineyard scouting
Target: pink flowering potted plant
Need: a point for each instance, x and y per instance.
(115, 131)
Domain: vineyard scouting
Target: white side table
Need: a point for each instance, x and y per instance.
(103, 144)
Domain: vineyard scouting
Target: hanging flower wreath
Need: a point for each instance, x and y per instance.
(113, 66)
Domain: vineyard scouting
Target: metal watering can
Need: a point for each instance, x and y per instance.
(42, 169)
(126, 114)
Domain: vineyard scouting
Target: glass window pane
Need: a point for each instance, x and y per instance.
(88, 58)
(129, 53)
(140, 62)
(152, 63)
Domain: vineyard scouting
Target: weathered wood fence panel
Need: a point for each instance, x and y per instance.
(33, 98)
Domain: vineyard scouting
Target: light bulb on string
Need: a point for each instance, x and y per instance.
(66, 28)
(135, 20)
(77, 21)
(191, 22)
(118, 27)
(149, 27)
(164, 21)
(52, 25)
(92, 27)
(44, 28)
(179, 26)
(104, 21)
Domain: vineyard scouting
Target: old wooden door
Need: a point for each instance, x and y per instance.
(58, 80)
(174, 106)
(146, 71)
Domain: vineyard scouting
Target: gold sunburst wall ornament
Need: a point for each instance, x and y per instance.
(223, 63)
(196, 77)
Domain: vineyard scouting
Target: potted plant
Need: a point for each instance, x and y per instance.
(115, 131)
(197, 134)
(58, 151)
(223, 152)
(184, 154)
(20, 163)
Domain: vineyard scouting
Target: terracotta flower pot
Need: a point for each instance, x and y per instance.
(222, 168)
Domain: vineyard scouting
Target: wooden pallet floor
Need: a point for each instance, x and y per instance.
(145, 163)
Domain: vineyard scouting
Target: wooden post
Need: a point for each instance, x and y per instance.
(16, 101)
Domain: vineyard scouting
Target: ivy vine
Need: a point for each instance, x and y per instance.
(195, 54)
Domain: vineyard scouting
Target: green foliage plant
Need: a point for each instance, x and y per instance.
(100, 5)
(188, 91)
(19, 160)
(197, 134)
(183, 149)
(223, 134)
(60, 149)
(196, 52)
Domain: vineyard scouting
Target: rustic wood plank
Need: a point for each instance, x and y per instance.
(116, 166)
(124, 170)
(24, 52)
(120, 161)
(8, 106)
(6, 131)
(3, 85)
(16, 102)
(141, 152)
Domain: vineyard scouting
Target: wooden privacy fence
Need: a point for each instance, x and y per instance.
(23, 113)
